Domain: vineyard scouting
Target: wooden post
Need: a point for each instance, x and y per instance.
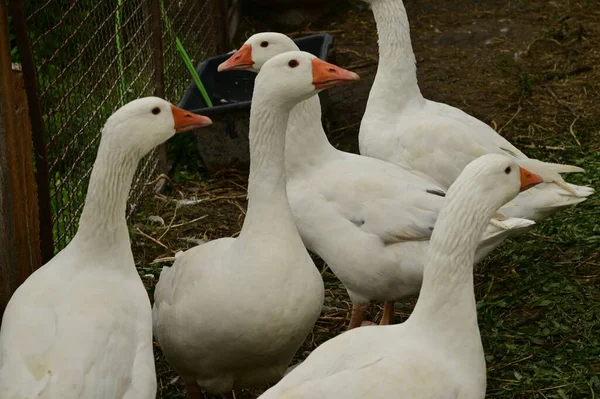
(156, 44)
(19, 224)
(37, 127)
(223, 27)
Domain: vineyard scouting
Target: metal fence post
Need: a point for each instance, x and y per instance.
(37, 127)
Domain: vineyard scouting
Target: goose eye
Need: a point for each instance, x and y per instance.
(507, 170)
(264, 44)
(156, 110)
(293, 63)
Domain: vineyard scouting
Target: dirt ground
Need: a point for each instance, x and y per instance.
(529, 68)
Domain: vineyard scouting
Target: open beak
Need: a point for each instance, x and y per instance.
(242, 59)
(185, 120)
(529, 179)
(328, 75)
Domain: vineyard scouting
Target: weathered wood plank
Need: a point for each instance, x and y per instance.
(19, 224)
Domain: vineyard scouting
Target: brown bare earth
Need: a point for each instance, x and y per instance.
(529, 68)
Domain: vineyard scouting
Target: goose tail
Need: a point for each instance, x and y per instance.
(540, 202)
(165, 280)
(580, 192)
(550, 172)
(560, 168)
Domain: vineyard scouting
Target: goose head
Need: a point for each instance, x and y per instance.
(257, 50)
(494, 179)
(143, 124)
(295, 76)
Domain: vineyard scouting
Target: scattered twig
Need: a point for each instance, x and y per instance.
(539, 40)
(361, 65)
(162, 197)
(548, 389)
(568, 74)
(501, 366)
(356, 53)
(573, 132)
(170, 223)
(140, 232)
(238, 206)
(344, 128)
(188, 222)
(558, 100)
(237, 185)
(544, 147)
(540, 236)
(312, 32)
(487, 292)
(511, 119)
(160, 185)
(159, 177)
(330, 318)
(168, 259)
(502, 379)
(185, 202)
(226, 197)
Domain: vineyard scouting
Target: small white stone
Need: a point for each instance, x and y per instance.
(156, 219)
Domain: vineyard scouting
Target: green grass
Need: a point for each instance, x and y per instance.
(539, 303)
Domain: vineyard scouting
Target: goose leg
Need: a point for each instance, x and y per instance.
(358, 315)
(230, 395)
(193, 391)
(388, 313)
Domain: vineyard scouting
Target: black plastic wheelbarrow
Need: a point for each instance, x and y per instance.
(224, 144)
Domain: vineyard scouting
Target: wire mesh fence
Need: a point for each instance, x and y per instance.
(93, 56)
(196, 26)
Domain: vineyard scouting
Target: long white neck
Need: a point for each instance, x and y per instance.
(395, 83)
(268, 207)
(102, 224)
(447, 300)
(306, 143)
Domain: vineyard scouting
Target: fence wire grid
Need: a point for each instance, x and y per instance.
(93, 56)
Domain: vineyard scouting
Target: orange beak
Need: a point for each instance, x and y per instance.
(242, 59)
(328, 75)
(529, 179)
(185, 120)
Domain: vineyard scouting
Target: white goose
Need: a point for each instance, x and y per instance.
(370, 220)
(402, 127)
(81, 326)
(437, 353)
(231, 313)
